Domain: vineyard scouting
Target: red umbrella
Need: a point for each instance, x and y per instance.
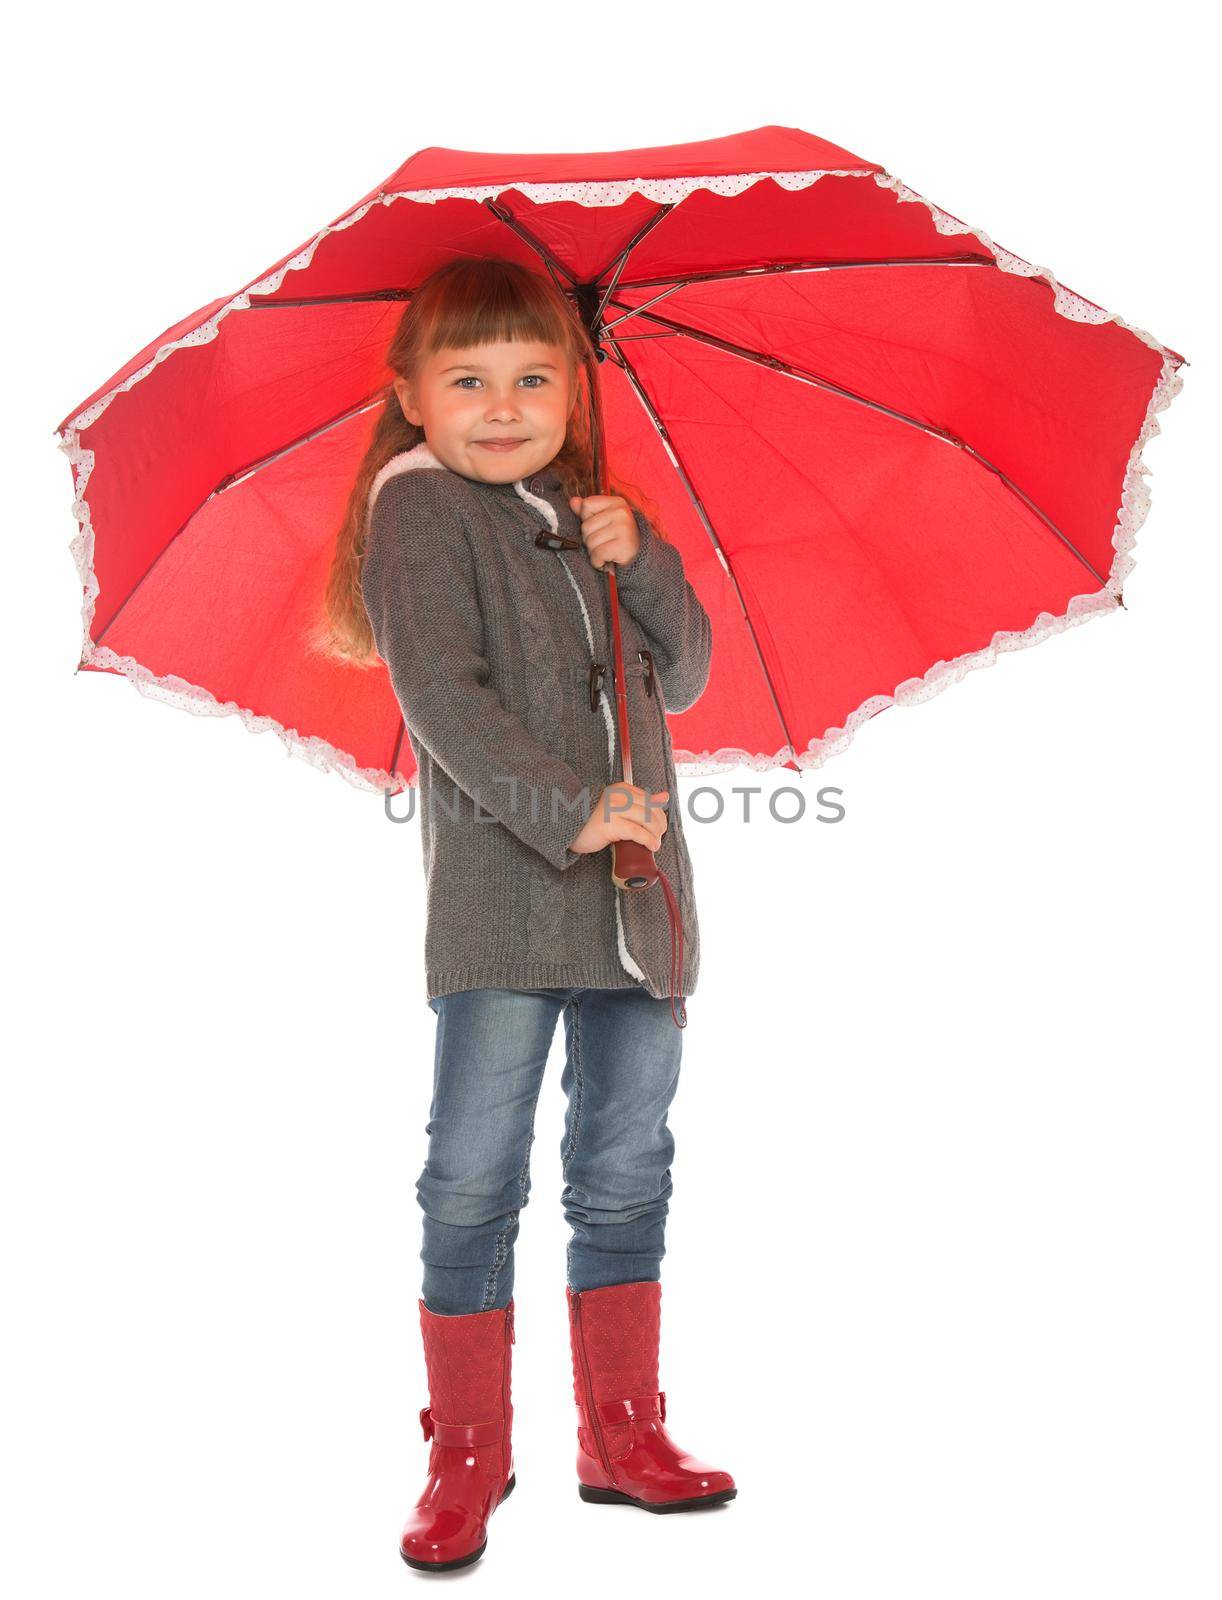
(887, 448)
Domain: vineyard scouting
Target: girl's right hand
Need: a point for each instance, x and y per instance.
(624, 811)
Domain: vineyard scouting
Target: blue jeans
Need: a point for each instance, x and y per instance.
(620, 1075)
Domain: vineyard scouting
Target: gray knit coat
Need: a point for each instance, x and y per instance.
(488, 639)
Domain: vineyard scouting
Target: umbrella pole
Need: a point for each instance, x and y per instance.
(633, 866)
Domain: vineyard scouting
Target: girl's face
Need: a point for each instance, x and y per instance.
(513, 393)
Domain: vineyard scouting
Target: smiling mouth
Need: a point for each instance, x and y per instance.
(500, 444)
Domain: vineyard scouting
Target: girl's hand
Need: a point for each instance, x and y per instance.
(624, 811)
(608, 528)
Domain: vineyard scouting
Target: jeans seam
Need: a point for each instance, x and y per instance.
(500, 1251)
(498, 1261)
(578, 1092)
(577, 1102)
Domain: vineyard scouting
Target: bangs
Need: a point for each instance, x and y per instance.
(473, 314)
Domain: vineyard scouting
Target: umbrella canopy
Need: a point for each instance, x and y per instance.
(886, 447)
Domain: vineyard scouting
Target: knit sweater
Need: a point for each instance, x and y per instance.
(488, 639)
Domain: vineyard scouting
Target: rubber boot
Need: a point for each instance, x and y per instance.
(469, 1419)
(624, 1453)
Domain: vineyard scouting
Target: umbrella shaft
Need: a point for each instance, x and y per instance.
(617, 656)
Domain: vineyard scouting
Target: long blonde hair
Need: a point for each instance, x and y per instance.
(466, 302)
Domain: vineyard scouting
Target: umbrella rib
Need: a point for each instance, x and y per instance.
(606, 327)
(227, 482)
(272, 303)
(502, 214)
(773, 268)
(646, 227)
(789, 370)
(556, 267)
(394, 755)
(379, 397)
(660, 428)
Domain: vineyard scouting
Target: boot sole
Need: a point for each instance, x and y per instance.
(614, 1497)
(459, 1561)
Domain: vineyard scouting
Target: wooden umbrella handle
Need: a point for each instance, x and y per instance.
(632, 863)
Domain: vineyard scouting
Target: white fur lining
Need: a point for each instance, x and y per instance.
(419, 455)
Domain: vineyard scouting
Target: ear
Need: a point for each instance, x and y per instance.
(406, 398)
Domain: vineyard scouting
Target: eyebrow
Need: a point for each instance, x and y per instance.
(470, 366)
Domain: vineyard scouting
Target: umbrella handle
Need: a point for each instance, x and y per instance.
(632, 865)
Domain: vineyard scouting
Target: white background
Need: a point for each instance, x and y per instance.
(942, 1287)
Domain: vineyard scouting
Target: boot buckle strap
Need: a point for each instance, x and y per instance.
(639, 1409)
(469, 1434)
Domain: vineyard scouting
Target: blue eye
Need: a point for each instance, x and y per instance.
(458, 382)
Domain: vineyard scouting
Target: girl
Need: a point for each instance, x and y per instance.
(471, 561)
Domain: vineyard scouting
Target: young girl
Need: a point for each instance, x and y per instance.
(472, 562)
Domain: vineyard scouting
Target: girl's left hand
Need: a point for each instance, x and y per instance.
(608, 528)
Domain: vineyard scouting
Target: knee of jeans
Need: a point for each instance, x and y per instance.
(469, 1202)
(612, 1210)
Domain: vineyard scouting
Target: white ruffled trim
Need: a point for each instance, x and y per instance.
(1065, 302)
(186, 696)
(1135, 496)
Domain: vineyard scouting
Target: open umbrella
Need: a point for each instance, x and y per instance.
(886, 447)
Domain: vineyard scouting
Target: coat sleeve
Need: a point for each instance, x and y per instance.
(655, 590)
(419, 586)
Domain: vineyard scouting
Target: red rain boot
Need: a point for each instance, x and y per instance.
(625, 1454)
(470, 1421)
